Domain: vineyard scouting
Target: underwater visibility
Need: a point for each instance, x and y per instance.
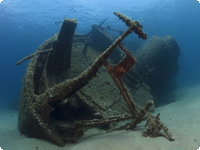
(100, 75)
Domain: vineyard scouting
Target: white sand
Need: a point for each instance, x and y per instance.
(182, 118)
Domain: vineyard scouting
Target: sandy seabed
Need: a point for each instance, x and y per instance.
(181, 117)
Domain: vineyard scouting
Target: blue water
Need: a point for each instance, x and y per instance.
(24, 25)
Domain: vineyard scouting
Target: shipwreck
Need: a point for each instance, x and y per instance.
(75, 81)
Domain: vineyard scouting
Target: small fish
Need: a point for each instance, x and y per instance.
(58, 22)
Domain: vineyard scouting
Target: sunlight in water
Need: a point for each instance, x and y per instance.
(1, 1)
